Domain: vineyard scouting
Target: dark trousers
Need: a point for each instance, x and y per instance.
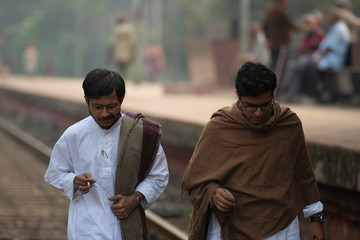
(278, 62)
(275, 52)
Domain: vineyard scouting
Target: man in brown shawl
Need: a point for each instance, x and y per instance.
(250, 173)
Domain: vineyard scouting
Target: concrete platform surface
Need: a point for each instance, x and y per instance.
(324, 124)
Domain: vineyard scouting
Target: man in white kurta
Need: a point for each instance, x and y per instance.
(91, 146)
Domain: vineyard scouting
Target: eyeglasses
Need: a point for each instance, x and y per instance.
(110, 107)
(253, 107)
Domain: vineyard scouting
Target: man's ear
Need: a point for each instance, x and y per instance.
(237, 93)
(121, 100)
(87, 100)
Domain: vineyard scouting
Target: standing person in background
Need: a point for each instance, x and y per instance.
(110, 165)
(49, 64)
(2, 41)
(31, 58)
(5, 59)
(250, 174)
(122, 46)
(278, 26)
(155, 61)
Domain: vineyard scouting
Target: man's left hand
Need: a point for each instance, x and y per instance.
(123, 205)
(316, 231)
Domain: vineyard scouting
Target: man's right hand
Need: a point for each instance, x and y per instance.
(84, 182)
(223, 199)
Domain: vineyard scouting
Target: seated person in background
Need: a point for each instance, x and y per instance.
(332, 49)
(319, 16)
(314, 34)
(344, 10)
(330, 55)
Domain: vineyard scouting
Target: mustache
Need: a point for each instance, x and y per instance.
(107, 118)
(102, 119)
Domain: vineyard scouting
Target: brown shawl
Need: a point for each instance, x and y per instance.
(265, 166)
(138, 145)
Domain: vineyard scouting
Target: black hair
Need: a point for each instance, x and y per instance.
(254, 79)
(100, 82)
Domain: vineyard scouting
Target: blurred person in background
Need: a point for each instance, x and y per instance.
(259, 50)
(290, 87)
(122, 46)
(31, 58)
(1, 53)
(314, 34)
(250, 174)
(49, 64)
(344, 10)
(319, 16)
(155, 61)
(6, 60)
(330, 56)
(110, 165)
(4, 66)
(278, 27)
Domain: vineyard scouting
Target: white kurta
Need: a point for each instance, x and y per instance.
(86, 147)
(291, 232)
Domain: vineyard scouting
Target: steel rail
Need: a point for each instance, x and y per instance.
(155, 221)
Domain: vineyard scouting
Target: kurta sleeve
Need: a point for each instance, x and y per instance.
(312, 209)
(60, 172)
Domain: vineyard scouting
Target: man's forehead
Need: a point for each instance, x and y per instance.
(261, 99)
(259, 103)
(104, 100)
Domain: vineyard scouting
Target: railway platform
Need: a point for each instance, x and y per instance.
(331, 125)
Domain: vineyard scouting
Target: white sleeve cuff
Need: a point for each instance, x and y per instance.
(312, 209)
(69, 188)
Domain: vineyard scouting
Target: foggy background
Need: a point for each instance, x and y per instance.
(73, 35)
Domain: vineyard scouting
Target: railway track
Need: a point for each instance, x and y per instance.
(32, 209)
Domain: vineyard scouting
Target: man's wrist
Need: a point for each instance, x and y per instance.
(319, 217)
(138, 197)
